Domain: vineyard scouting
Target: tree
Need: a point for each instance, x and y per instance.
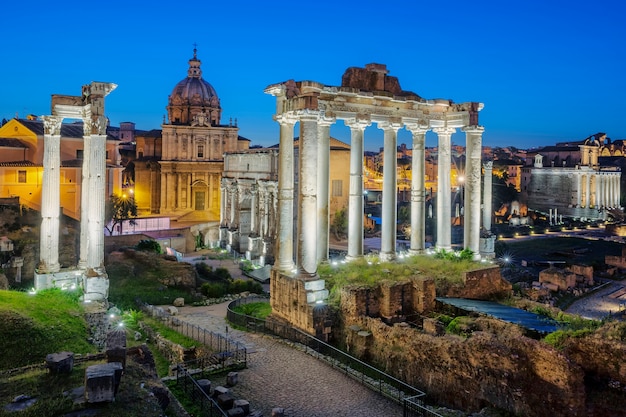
(119, 208)
(339, 226)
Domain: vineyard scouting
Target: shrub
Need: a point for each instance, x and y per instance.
(213, 289)
(149, 245)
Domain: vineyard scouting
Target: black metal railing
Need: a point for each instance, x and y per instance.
(410, 397)
(226, 353)
(189, 385)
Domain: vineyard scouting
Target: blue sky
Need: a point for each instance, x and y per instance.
(546, 70)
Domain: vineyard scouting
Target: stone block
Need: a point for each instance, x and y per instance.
(179, 302)
(232, 379)
(219, 391)
(235, 412)
(102, 381)
(243, 404)
(205, 385)
(278, 412)
(60, 363)
(116, 347)
(317, 285)
(172, 310)
(225, 401)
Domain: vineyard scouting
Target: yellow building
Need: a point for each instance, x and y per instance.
(21, 163)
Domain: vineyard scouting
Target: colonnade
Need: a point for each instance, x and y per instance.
(597, 188)
(90, 109)
(312, 204)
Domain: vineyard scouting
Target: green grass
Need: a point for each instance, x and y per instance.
(259, 310)
(33, 326)
(170, 334)
(368, 273)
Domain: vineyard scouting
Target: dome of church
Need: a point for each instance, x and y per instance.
(192, 96)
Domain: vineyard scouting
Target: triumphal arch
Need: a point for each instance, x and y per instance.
(366, 96)
(90, 272)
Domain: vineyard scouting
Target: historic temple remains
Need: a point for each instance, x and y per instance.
(90, 272)
(366, 95)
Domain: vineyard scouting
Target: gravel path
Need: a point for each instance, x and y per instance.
(602, 303)
(279, 375)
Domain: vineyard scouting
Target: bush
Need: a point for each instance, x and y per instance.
(208, 273)
(149, 245)
(213, 289)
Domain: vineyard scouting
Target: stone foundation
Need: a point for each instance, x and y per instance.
(301, 303)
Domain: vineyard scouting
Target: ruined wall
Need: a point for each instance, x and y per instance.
(482, 284)
(562, 278)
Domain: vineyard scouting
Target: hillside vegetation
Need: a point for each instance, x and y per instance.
(33, 325)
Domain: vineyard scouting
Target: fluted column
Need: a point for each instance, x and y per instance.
(471, 227)
(355, 199)
(284, 243)
(50, 190)
(390, 196)
(307, 191)
(443, 188)
(488, 195)
(588, 190)
(253, 209)
(579, 189)
(618, 191)
(223, 185)
(323, 178)
(84, 198)
(599, 190)
(418, 191)
(233, 205)
(97, 190)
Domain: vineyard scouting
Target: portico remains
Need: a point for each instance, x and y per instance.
(89, 107)
(366, 95)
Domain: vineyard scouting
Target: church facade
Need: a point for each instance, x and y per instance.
(178, 175)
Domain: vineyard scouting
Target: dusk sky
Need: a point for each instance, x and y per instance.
(547, 71)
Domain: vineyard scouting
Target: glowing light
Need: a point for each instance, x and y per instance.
(32, 291)
(120, 324)
(319, 302)
(112, 316)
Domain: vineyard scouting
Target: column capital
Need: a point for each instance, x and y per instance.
(52, 125)
(324, 120)
(286, 119)
(473, 129)
(488, 164)
(444, 130)
(417, 128)
(357, 123)
(308, 114)
(394, 125)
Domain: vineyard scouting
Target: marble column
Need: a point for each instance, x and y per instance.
(233, 205)
(50, 199)
(473, 168)
(443, 187)
(588, 190)
(253, 209)
(355, 198)
(599, 190)
(84, 198)
(323, 178)
(418, 191)
(223, 198)
(390, 196)
(284, 243)
(307, 190)
(488, 195)
(579, 189)
(97, 190)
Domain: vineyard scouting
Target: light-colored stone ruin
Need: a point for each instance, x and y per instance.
(366, 95)
(90, 272)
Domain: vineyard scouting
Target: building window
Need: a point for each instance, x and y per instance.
(21, 176)
(200, 151)
(79, 154)
(337, 190)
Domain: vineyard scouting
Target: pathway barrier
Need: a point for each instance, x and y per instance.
(409, 397)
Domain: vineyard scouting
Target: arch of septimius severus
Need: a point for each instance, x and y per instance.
(366, 96)
(89, 107)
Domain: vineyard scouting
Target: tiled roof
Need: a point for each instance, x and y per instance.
(12, 143)
(20, 164)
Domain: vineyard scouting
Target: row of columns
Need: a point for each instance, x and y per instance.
(599, 189)
(93, 185)
(262, 199)
(313, 175)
